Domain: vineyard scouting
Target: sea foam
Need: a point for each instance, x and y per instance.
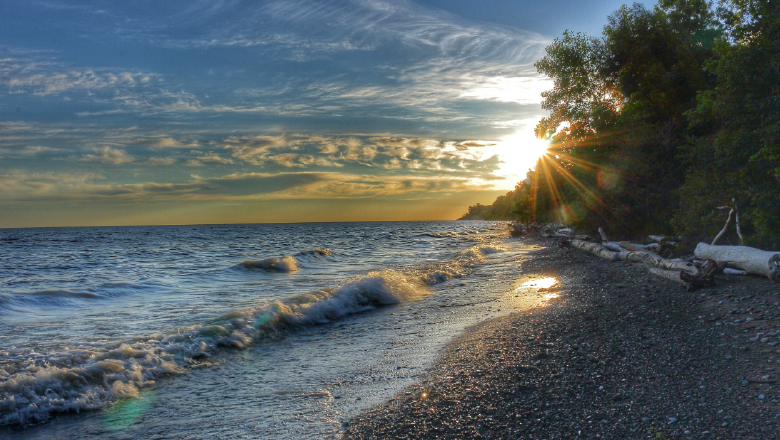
(459, 267)
(84, 381)
(284, 264)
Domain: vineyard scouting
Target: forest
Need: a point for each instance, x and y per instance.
(664, 124)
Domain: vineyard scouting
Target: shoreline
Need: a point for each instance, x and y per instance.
(620, 354)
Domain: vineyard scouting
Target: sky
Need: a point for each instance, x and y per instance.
(230, 111)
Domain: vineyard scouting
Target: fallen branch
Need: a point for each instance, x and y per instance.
(731, 271)
(690, 275)
(611, 245)
(644, 257)
(595, 248)
(739, 230)
(751, 260)
(704, 277)
(726, 226)
(653, 247)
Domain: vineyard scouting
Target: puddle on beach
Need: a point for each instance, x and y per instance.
(532, 291)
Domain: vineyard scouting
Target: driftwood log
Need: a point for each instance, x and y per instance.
(645, 257)
(688, 274)
(751, 260)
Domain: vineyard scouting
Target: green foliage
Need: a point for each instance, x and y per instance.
(735, 153)
(672, 113)
(617, 116)
(581, 99)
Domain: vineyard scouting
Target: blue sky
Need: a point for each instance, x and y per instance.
(149, 112)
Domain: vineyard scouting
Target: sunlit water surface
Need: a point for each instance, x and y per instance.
(234, 331)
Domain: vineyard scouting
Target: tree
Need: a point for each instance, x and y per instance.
(736, 151)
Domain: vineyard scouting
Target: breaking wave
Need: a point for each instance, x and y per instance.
(74, 380)
(284, 264)
(83, 380)
(459, 267)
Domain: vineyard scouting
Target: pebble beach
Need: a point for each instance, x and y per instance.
(617, 354)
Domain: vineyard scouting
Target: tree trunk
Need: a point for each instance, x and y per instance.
(751, 260)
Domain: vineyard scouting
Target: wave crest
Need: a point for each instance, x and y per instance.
(35, 393)
(284, 264)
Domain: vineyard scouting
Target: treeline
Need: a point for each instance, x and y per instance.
(672, 113)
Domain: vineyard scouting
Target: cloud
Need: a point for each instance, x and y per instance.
(38, 78)
(167, 142)
(160, 161)
(27, 151)
(209, 157)
(34, 150)
(253, 149)
(520, 89)
(21, 185)
(474, 144)
(18, 185)
(108, 155)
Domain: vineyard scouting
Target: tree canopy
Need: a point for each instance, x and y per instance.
(673, 112)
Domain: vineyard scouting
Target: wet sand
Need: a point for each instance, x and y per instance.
(620, 354)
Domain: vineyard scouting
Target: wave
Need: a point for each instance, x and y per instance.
(465, 234)
(459, 267)
(46, 298)
(78, 380)
(284, 264)
(448, 234)
(63, 294)
(320, 252)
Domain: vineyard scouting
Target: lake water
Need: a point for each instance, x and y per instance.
(233, 331)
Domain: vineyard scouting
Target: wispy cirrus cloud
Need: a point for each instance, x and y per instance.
(46, 78)
(208, 158)
(281, 98)
(108, 155)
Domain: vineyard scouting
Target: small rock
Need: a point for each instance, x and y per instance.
(761, 397)
(672, 419)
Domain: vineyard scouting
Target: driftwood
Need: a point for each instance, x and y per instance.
(703, 278)
(690, 275)
(647, 258)
(611, 245)
(595, 248)
(731, 271)
(726, 226)
(732, 211)
(751, 260)
(654, 247)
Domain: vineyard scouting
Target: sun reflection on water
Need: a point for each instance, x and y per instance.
(539, 283)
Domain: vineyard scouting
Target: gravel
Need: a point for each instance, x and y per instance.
(620, 354)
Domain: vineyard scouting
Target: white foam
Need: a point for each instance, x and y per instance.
(75, 380)
(461, 266)
(284, 264)
(36, 392)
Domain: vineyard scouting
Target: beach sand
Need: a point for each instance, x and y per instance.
(620, 354)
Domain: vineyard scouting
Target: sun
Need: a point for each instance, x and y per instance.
(517, 153)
